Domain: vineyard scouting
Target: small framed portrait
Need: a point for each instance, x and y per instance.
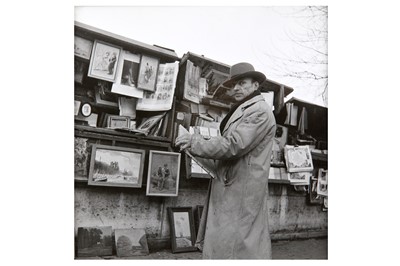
(94, 241)
(131, 242)
(86, 109)
(116, 121)
(148, 73)
(116, 166)
(104, 61)
(82, 47)
(182, 232)
(163, 173)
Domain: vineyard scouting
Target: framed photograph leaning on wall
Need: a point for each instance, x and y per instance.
(116, 166)
(163, 173)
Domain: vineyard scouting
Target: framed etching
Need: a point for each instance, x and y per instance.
(298, 158)
(131, 242)
(148, 73)
(116, 166)
(104, 61)
(163, 173)
(82, 47)
(94, 241)
(182, 229)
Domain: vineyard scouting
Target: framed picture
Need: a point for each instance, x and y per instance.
(131, 242)
(94, 241)
(127, 76)
(104, 61)
(182, 229)
(148, 73)
(80, 70)
(103, 95)
(82, 47)
(116, 166)
(163, 173)
(299, 178)
(322, 187)
(149, 122)
(314, 198)
(116, 121)
(298, 158)
(81, 155)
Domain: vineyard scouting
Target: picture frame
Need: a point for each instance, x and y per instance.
(298, 158)
(163, 173)
(103, 95)
(314, 198)
(131, 242)
(82, 47)
(81, 156)
(148, 69)
(80, 70)
(116, 121)
(127, 76)
(116, 166)
(299, 178)
(149, 122)
(104, 61)
(94, 241)
(322, 186)
(182, 230)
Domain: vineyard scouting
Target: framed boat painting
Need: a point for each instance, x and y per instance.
(116, 166)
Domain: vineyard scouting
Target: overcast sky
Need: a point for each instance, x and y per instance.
(225, 34)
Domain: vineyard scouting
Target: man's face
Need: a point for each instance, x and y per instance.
(243, 88)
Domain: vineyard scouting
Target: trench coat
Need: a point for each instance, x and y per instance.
(237, 211)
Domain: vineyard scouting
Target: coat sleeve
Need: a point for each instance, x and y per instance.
(246, 135)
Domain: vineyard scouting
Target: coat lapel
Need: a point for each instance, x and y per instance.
(239, 111)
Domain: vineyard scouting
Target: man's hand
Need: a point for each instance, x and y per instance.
(184, 141)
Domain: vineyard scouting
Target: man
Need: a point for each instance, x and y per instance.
(237, 216)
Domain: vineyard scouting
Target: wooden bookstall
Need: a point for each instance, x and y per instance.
(95, 94)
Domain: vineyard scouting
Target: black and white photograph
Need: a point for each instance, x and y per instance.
(212, 122)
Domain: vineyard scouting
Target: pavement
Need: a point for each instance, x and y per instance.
(310, 249)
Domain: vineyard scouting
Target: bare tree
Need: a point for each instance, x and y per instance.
(308, 62)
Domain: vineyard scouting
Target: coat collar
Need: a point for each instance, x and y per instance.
(239, 111)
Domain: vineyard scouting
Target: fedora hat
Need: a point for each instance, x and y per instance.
(243, 70)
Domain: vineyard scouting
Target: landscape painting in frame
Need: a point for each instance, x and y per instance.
(182, 229)
(104, 61)
(94, 241)
(116, 166)
(131, 242)
(163, 173)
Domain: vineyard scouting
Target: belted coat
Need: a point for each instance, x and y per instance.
(237, 212)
